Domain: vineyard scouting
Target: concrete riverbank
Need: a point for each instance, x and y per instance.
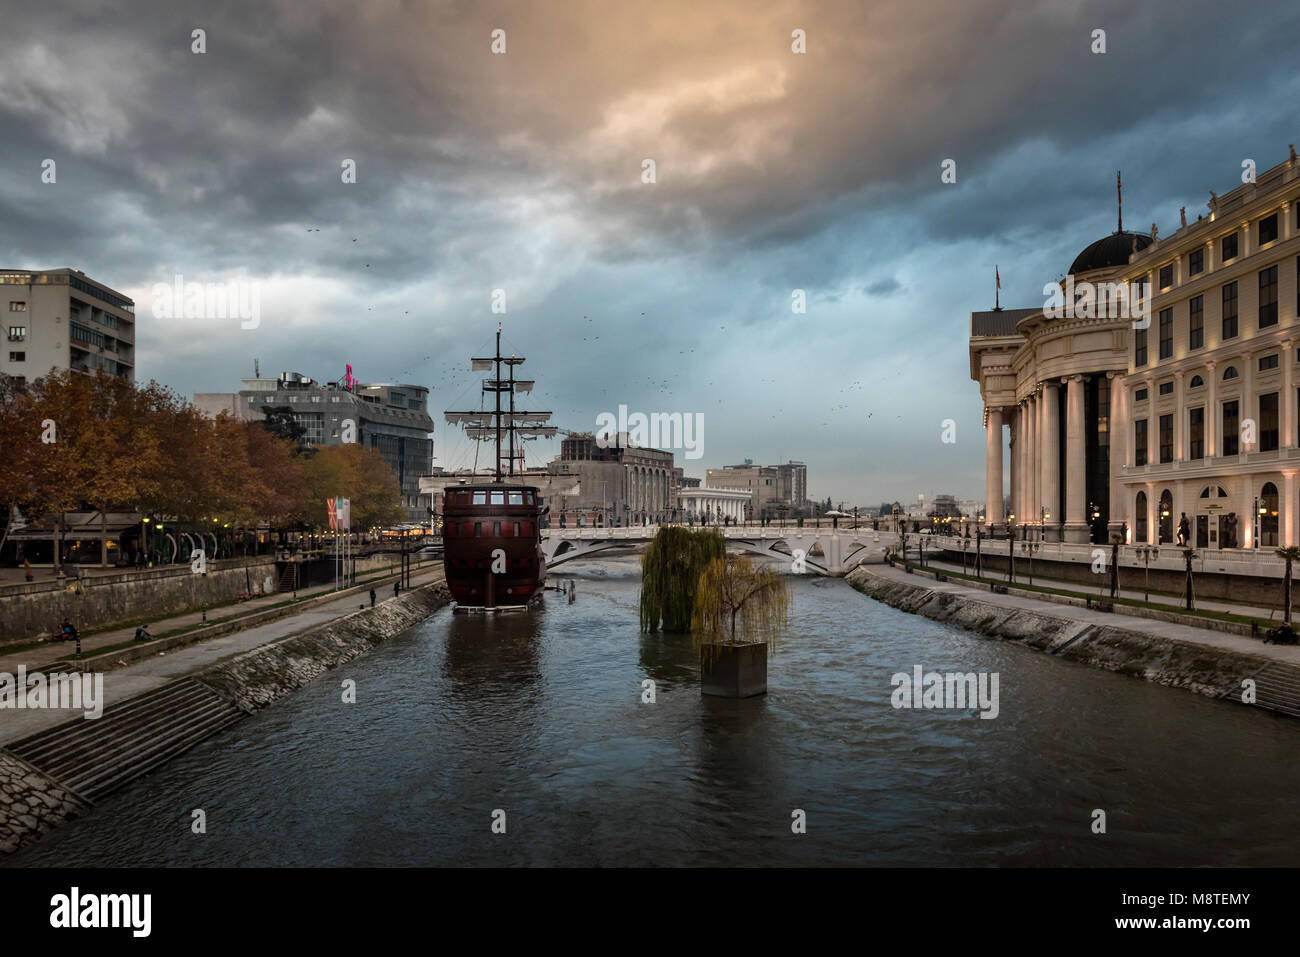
(1205, 661)
(162, 706)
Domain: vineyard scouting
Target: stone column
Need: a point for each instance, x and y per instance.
(1076, 464)
(1051, 438)
(1180, 417)
(1153, 514)
(1130, 432)
(1031, 459)
(993, 468)
(1211, 410)
(1153, 425)
(1013, 456)
(1287, 410)
(1248, 397)
(1287, 509)
(1118, 448)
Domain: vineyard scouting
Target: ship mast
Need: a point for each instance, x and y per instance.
(503, 420)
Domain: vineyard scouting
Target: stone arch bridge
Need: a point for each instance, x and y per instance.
(825, 551)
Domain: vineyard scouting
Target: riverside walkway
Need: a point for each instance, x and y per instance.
(155, 670)
(1207, 636)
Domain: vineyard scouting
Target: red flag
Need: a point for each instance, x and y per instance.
(997, 277)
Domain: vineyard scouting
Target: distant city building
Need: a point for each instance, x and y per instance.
(623, 482)
(619, 485)
(59, 319)
(390, 417)
(775, 490)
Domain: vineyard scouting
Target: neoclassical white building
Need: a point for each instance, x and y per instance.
(715, 503)
(1106, 425)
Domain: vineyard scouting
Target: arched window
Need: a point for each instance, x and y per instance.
(1205, 492)
(1140, 525)
(1166, 517)
(1196, 382)
(1268, 515)
(1229, 373)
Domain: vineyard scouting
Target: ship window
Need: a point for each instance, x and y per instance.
(516, 498)
(496, 527)
(498, 498)
(478, 529)
(480, 498)
(516, 529)
(528, 497)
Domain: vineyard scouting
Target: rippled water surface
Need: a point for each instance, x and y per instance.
(541, 716)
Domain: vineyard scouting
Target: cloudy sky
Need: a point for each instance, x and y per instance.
(523, 171)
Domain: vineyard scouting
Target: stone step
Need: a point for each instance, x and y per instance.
(47, 744)
(106, 750)
(131, 738)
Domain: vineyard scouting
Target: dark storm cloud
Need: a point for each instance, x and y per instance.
(775, 172)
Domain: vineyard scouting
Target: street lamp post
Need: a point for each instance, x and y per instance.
(1011, 547)
(1029, 549)
(1147, 553)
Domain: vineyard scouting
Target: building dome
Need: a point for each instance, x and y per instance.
(1109, 251)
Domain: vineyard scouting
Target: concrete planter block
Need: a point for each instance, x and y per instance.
(738, 671)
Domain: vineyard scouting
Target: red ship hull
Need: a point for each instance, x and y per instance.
(492, 550)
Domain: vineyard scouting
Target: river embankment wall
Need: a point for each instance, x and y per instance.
(1207, 670)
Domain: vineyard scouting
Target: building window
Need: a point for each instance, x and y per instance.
(1268, 422)
(1268, 515)
(1196, 382)
(1230, 427)
(1166, 276)
(1196, 262)
(17, 306)
(1268, 297)
(17, 333)
(1268, 229)
(1140, 347)
(1230, 310)
(17, 357)
(1229, 373)
(1196, 322)
(1140, 523)
(1267, 362)
(1141, 394)
(1229, 248)
(1166, 333)
(1140, 442)
(1196, 433)
(1167, 388)
(1167, 438)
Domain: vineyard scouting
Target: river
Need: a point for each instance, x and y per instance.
(541, 716)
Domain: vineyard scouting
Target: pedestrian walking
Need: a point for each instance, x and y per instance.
(397, 588)
(372, 598)
(27, 568)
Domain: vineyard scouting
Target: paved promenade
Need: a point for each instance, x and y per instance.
(1102, 589)
(157, 670)
(1161, 629)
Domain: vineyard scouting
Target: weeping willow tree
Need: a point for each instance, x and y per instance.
(670, 571)
(738, 604)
